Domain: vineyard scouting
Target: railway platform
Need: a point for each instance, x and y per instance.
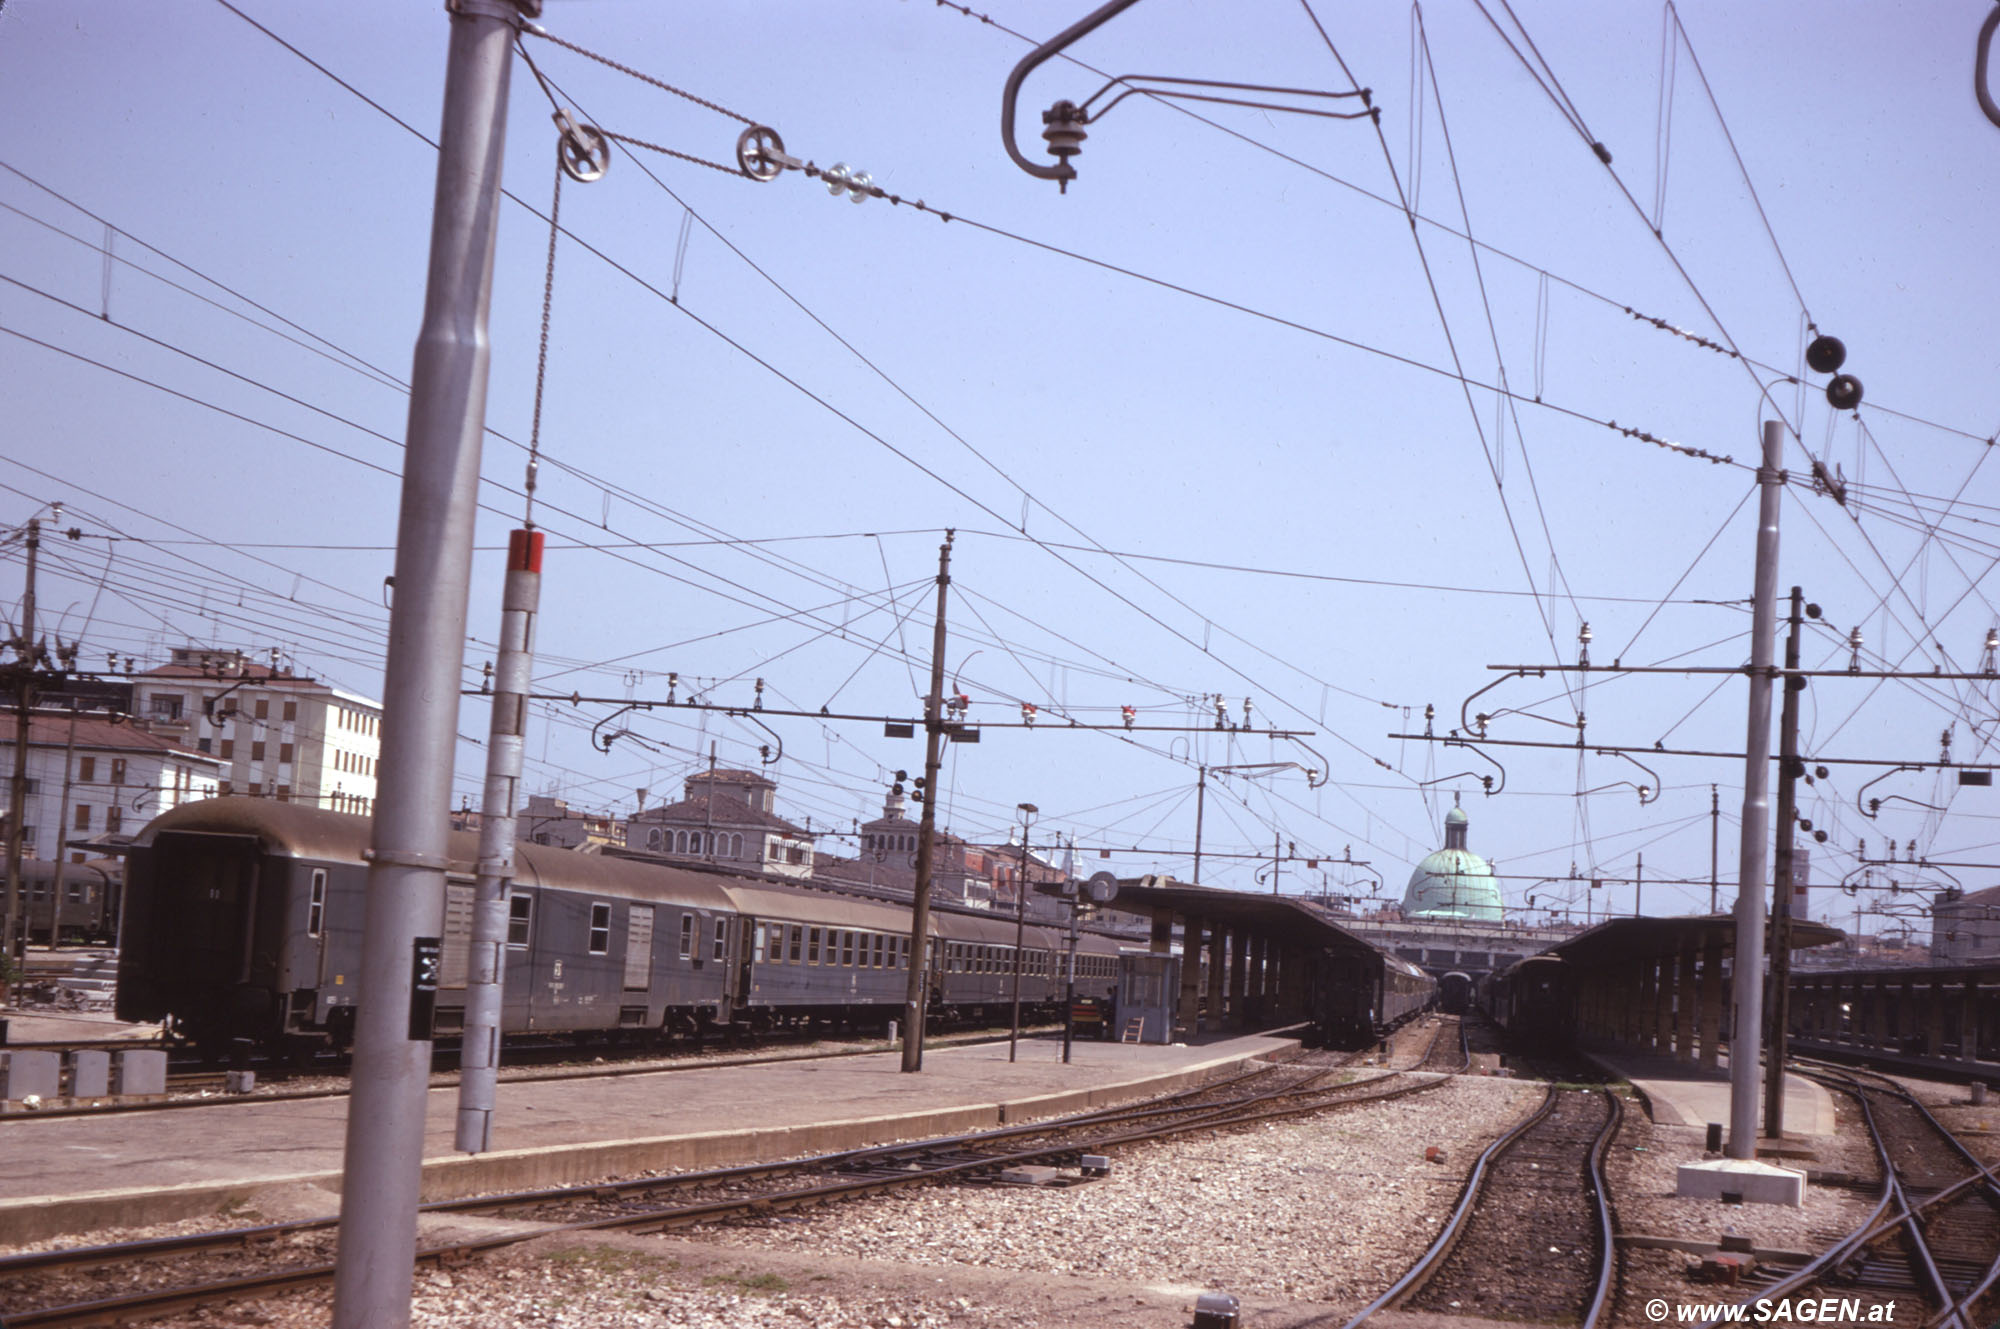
(73, 1174)
(1683, 1095)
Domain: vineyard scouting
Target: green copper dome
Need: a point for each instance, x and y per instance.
(1454, 882)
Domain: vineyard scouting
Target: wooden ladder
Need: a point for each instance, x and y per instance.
(1134, 1027)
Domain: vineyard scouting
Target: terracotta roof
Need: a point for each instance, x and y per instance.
(254, 673)
(715, 810)
(729, 776)
(99, 732)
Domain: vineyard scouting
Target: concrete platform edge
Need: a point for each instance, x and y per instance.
(44, 1217)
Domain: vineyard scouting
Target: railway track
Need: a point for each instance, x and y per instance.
(1531, 1237)
(107, 1284)
(1933, 1238)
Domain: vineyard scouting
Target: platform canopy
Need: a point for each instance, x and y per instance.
(1293, 920)
(1626, 939)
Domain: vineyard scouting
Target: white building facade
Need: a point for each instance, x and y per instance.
(276, 734)
(92, 777)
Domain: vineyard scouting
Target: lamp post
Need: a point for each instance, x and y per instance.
(1027, 810)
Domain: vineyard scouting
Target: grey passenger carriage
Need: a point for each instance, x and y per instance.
(243, 920)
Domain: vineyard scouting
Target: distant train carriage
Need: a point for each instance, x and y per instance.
(1535, 1002)
(1367, 994)
(83, 908)
(244, 921)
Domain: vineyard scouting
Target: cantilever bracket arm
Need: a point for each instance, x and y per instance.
(1869, 807)
(1979, 62)
(1485, 781)
(1062, 171)
(1479, 729)
(775, 736)
(1644, 796)
(601, 740)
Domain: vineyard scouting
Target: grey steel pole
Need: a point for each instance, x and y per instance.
(486, 963)
(1747, 977)
(920, 895)
(1069, 980)
(1027, 811)
(56, 878)
(14, 935)
(1200, 805)
(1714, 834)
(1779, 1004)
(382, 1176)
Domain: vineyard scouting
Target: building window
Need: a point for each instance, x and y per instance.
(284, 793)
(655, 838)
(284, 754)
(600, 929)
(203, 744)
(118, 770)
(772, 851)
(83, 816)
(316, 907)
(228, 749)
(226, 788)
(86, 770)
(114, 819)
(520, 915)
(166, 705)
(263, 708)
(257, 750)
(291, 710)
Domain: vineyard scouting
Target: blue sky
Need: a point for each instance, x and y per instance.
(1225, 355)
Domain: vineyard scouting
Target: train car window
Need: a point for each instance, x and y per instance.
(796, 930)
(757, 944)
(520, 914)
(316, 906)
(687, 936)
(812, 946)
(721, 949)
(847, 949)
(600, 928)
(879, 947)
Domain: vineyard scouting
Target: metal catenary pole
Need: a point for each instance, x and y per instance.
(1200, 805)
(1781, 878)
(56, 877)
(408, 857)
(1028, 811)
(14, 936)
(486, 963)
(1747, 977)
(920, 898)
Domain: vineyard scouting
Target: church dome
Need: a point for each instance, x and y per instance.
(1454, 883)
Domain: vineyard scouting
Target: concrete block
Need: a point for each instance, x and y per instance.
(139, 1071)
(89, 1073)
(238, 1082)
(1751, 1182)
(30, 1074)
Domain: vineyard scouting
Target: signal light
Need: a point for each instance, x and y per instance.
(917, 789)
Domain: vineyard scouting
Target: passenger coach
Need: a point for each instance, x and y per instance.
(243, 920)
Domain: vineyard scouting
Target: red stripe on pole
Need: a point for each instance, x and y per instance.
(524, 551)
